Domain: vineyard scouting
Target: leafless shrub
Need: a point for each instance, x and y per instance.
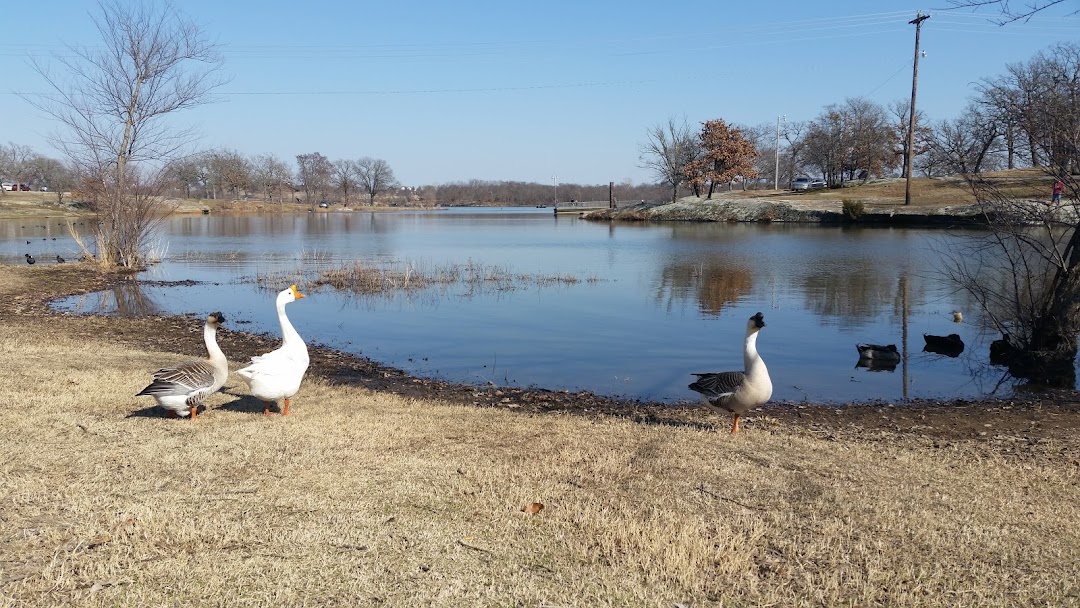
(1024, 274)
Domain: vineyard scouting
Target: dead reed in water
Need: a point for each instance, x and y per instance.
(367, 278)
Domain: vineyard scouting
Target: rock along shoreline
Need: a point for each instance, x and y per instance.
(789, 211)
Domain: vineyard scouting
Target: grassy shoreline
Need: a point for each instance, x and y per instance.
(364, 497)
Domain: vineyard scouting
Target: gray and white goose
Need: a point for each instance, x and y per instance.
(739, 392)
(181, 390)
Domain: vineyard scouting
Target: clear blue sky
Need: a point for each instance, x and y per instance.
(498, 90)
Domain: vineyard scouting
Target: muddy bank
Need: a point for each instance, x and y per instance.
(1043, 424)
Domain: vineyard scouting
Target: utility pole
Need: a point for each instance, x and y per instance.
(776, 171)
(917, 22)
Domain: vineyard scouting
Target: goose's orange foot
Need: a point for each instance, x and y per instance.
(285, 411)
(194, 412)
(266, 408)
(735, 426)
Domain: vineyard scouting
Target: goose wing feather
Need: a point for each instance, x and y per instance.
(190, 378)
(276, 362)
(718, 385)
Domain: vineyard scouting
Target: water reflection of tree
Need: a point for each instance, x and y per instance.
(128, 299)
(856, 292)
(125, 299)
(712, 283)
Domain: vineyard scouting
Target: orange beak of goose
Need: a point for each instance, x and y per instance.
(296, 292)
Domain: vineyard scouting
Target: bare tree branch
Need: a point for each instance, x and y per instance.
(668, 148)
(1009, 12)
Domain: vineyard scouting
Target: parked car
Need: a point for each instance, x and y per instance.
(7, 186)
(22, 187)
(802, 184)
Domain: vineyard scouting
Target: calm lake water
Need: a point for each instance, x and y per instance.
(652, 303)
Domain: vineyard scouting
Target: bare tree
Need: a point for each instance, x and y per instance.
(851, 140)
(313, 171)
(763, 138)
(921, 143)
(230, 171)
(50, 173)
(828, 145)
(186, 172)
(346, 176)
(274, 176)
(375, 176)
(14, 162)
(969, 144)
(999, 100)
(668, 148)
(795, 134)
(872, 139)
(1037, 101)
(113, 101)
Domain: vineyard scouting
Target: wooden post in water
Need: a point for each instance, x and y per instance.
(904, 336)
(611, 202)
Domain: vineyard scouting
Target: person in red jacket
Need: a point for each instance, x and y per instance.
(1059, 187)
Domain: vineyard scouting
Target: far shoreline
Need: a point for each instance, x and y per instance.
(790, 211)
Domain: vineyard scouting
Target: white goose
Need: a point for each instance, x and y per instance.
(181, 390)
(277, 374)
(739, 392)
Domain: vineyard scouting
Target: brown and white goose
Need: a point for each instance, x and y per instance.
(181, 390)
(739, 392)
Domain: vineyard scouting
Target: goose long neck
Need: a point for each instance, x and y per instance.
(288, 332)
(210, 338)
(750, 354)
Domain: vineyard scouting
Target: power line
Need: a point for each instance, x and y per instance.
(424, 91)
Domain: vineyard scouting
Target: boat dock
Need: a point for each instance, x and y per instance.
(580, 207)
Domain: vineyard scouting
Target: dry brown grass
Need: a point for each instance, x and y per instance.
(17, 205)
(363, 498)
(1019, 183)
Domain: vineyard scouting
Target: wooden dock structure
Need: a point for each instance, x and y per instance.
(580, 207)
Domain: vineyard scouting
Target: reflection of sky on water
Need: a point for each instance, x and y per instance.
(671, 299)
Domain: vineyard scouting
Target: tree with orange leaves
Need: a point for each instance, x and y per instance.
(726, 154)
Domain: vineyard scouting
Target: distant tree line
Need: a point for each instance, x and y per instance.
(229, 174)
(314, 178)
(481, 192)
(1021, 118)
